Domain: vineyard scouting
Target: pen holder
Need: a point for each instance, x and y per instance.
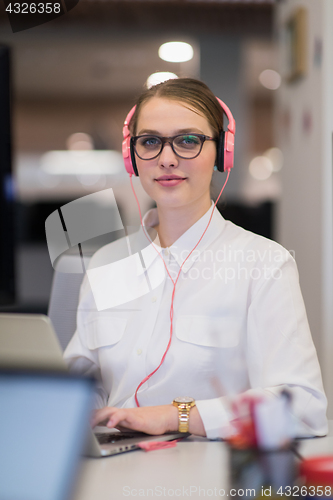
(260, 474)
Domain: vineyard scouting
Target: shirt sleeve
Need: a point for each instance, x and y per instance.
(280, 355)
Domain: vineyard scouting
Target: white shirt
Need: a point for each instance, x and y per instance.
(239, 324)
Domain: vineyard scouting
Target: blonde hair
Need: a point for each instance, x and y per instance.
(193, 92)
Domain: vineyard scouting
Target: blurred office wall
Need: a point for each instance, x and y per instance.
(304, 124)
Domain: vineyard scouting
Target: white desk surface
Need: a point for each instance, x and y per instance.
(195, 468)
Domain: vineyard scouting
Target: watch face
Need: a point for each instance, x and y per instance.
(184, 399)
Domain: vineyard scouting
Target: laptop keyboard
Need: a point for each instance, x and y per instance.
(106, 438)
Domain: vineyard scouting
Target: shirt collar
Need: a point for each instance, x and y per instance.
(187, 241)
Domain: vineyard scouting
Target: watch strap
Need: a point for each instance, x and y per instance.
(183, 418)
(183, 415)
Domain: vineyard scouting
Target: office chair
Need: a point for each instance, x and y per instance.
(64, 295)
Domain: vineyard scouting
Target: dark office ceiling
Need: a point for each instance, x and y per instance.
(96, 66)
(185, 15)
(114, 43)
(202, 16)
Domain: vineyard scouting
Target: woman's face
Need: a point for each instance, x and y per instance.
(166, 118)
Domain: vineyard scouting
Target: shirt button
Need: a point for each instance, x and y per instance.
(139, 351)
(153, 299)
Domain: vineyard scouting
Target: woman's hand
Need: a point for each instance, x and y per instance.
(150, 419)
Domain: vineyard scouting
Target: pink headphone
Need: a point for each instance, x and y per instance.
(225, 145)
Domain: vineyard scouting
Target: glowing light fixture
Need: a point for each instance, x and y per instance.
(80, 142)
(90, 163)
(270, 79)
(159, 77)
(176, 52)
(261, 168)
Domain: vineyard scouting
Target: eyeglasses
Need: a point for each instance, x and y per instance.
(187, 146)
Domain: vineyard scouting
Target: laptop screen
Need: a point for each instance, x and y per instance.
(43, 425)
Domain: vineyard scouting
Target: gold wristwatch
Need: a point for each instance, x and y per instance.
(184, 406)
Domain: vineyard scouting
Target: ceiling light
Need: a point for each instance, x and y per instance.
(176, 51)
(80, 142)
(159, 77)
(261, 168)
(270, 79)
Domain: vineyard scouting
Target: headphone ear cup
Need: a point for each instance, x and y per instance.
(220, 152)
(127, 155)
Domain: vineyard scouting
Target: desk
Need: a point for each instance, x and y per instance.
(195, 468)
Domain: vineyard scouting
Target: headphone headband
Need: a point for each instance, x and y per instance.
(225, 146)
(227, 112)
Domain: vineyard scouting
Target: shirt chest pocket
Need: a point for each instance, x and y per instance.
(105, 331)
(209, 331)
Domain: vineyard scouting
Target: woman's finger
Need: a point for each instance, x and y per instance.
(117, 417)
(101, 416)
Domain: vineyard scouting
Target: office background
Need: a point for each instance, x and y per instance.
(80, 73)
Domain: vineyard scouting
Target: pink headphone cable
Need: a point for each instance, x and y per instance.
(174, 282)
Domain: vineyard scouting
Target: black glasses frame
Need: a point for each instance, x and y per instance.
(170, 140)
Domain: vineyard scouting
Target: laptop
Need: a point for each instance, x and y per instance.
(43, 427)
(29, 341)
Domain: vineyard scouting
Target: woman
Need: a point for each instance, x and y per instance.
(235, 319)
